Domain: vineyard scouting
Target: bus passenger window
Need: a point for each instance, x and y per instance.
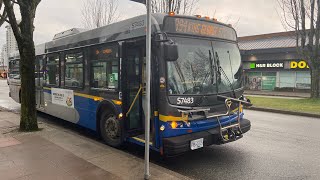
(105, 75)
(104, 66)
(74, 70)
(52, 69)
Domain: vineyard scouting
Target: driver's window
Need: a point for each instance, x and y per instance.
(104, 67)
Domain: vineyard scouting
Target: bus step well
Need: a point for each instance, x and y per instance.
(141, 138)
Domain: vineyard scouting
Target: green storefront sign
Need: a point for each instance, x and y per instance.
(267, 65)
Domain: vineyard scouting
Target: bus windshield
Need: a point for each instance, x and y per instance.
(195, 73)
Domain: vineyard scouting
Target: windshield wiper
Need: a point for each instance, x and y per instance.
(211, 70)
(207, 75)
(220, 69)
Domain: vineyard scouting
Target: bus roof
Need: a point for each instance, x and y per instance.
(126, 29)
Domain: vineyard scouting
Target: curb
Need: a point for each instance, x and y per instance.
(284, 112)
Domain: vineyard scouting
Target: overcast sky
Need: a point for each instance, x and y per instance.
(255, 16)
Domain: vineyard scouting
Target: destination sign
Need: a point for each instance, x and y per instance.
(199, 27)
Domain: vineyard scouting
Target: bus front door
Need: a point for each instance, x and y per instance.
(132, 88)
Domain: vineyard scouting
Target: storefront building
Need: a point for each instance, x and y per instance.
(271, 62)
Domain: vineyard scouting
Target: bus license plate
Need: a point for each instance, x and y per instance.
(196, 144)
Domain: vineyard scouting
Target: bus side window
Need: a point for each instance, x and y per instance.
(53, 71)
(74, 70)
(104, 67)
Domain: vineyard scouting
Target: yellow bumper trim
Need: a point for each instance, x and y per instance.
(165, 118)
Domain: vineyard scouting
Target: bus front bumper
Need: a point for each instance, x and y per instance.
(177, 145)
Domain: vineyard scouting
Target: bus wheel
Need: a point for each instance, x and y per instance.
(111, 129)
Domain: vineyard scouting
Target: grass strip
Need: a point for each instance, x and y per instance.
(296, 105)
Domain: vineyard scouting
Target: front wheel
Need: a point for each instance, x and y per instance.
(111, 129)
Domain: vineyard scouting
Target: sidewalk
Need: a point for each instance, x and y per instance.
(59, 153)
(277, 93)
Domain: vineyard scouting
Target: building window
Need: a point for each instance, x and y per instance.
(287, 79)
(253, 81)
(104, 67)
(74, 70)
(53, 71)
(303, 80)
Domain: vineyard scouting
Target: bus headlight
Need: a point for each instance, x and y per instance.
(174, 124)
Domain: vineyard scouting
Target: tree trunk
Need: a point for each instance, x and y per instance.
(315, 82)
(28, 119)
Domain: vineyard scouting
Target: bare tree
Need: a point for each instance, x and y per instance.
(303, 16)
(97, 13)
(186, 7)
(23, 33)
(3, 13)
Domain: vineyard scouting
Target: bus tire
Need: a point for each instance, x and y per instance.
(111, 129)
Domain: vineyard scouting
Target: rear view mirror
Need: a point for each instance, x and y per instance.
(171, 51)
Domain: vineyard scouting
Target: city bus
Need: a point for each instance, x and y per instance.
(96, 79)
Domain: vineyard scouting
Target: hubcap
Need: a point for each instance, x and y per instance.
(111, 127)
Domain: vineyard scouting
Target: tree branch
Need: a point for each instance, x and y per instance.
(13, 20)
(97, 13)
(317, 35)
(3, 18)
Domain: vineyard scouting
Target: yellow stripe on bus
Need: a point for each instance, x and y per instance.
(95, 98)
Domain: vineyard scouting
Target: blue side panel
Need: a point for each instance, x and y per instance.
(86, 108)
(157, 135)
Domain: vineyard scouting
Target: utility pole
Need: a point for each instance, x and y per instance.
(148, 89)
(148, 94)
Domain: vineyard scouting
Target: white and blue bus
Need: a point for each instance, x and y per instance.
(96, 79)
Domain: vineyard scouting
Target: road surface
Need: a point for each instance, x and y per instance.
(277, 147)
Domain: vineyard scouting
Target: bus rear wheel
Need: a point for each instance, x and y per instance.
(111, 129)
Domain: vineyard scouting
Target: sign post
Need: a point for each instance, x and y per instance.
(148, 89)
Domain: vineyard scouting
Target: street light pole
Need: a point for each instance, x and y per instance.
(148, 93)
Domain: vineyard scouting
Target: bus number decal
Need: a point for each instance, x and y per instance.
(188, 100)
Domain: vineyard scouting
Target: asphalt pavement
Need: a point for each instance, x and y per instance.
(277, 147)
